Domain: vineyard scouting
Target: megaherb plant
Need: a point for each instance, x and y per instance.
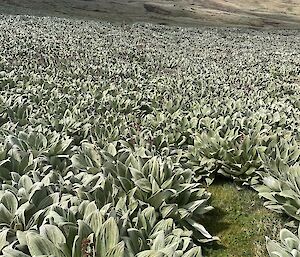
(110, 134)
(102, 233)
(288, 247)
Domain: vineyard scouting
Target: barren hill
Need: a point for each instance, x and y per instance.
(266, 13)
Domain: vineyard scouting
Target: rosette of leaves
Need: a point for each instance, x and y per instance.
(102, 233)
(172, 192)
(88, 180)
(71, 122)
(282, 193)
(49, 149)
(289, 245)
(148, 143)
(20, 214)
(177, 128)
(204, 168)
(19, 109)
(231, 154)
(87, 159)
(33, 197)
(280, 151)
(160, 237)
(106, 128)
(165, 186)
(281, 178)
(151, 181)
(27, 152)
(15, 158)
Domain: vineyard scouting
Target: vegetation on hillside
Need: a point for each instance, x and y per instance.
(111, 138)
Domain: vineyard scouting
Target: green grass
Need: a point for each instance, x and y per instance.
(240, 221)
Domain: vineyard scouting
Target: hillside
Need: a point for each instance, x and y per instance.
(269, 13)
(140, 140)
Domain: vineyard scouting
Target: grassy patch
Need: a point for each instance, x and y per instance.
(241, 221)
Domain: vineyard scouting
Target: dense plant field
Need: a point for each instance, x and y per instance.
(111, 134)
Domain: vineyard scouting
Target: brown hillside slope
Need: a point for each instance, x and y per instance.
(266, 13)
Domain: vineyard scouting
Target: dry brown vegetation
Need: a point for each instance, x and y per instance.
(268, 13)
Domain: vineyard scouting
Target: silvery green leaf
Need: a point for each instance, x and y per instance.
(117, 251)
(53, 233)
(5, 215)
(275, 250)
(39, 245)
(10, 201)
(199, 228)
(194, 252)
(3, 238)
(150, 253)
(9, 252)
(108, 237)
